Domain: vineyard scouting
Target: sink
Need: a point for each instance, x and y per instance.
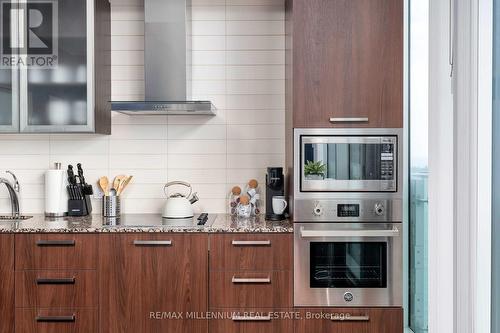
(10, 218)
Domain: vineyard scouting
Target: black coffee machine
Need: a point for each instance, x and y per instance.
(275, 186)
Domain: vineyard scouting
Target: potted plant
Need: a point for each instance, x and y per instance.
(315, 170)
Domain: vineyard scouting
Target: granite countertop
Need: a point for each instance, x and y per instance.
(142, 223)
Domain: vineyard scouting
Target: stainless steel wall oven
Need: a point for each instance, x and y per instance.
(347, 209)
(348, 264)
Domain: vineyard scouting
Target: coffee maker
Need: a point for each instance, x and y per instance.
(275, 186)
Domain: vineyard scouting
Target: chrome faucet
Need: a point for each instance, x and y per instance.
(13, 190)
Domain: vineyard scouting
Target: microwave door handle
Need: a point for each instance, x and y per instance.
(304, 233)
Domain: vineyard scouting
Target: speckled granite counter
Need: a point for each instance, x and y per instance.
(141, 223)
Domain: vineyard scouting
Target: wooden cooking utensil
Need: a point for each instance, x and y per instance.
(117, 181)
(104, 185)
(123, 184)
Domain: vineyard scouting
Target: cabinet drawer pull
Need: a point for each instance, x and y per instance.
(350, 318)
(349, 120)
(152, 243)
(251, 243)
(251, 318)
(250, 280)
(56, 319)
(69, 242)
(70, 280)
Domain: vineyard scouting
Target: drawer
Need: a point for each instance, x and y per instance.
(350, 320)
(252, 321)
(56, 320)
(62, 289)
(251, 252)
(236, 289)
(56, 251)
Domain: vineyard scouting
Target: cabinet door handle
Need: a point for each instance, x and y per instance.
(251, 318)
(349, 120)
(152, 242)
(56, 319)
(350, 318)
(69, 242)
(251, 280)
(251, 243)
(70, 280)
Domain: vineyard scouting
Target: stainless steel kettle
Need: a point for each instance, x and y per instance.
(179, 206)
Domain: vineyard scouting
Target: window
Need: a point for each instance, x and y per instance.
(418, 119)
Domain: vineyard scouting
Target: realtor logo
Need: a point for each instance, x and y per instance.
(29, 34)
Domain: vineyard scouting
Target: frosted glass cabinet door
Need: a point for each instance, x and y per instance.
(56, 98)
(9, 96)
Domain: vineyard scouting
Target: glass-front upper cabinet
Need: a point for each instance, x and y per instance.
(9, 96)
(9, 76)
(61, 68)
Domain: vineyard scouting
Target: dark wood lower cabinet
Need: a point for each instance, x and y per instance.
(252, 321)
(350, 320)
(150, 282)
(7, 283)
(161, 283)
(56, 289)
(242, 289)
(56, 320)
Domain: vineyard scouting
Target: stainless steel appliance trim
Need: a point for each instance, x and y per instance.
(360, 138)
(251, 318)
(152, 242)
(305, 233)
(350, 318)
(349, 120)
(306, 296)
(251, 243)
(250, 280)
(326, 210)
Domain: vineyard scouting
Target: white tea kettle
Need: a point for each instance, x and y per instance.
(179, 206)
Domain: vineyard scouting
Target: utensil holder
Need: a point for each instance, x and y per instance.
(111, 206)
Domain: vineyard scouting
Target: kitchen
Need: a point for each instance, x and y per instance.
(205, 166)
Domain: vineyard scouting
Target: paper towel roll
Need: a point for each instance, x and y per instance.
(56, 194)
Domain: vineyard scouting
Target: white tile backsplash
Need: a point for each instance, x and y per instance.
(238, 63)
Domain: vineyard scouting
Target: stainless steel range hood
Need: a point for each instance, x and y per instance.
(167, 62)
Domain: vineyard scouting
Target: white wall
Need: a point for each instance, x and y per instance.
(238, 56)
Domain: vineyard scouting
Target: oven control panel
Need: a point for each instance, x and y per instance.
(367, 210)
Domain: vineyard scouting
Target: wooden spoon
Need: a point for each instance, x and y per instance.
(117, 181)
(123, 184)
(104, 184)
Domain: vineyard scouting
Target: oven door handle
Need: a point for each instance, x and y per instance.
(304, 233)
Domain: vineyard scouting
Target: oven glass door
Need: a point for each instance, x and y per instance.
(348, 265)
(348, 163)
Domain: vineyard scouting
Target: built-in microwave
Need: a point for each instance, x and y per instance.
(347, 160)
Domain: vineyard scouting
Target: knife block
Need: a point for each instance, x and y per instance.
(80, 207)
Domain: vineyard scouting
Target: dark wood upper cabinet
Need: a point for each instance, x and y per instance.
(345, 63)
(7, 280)
(143, 277)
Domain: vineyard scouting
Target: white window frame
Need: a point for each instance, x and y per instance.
(460, 166)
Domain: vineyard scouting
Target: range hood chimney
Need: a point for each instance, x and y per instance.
(167, 62)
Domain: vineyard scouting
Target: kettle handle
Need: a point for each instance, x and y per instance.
(178, 182)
